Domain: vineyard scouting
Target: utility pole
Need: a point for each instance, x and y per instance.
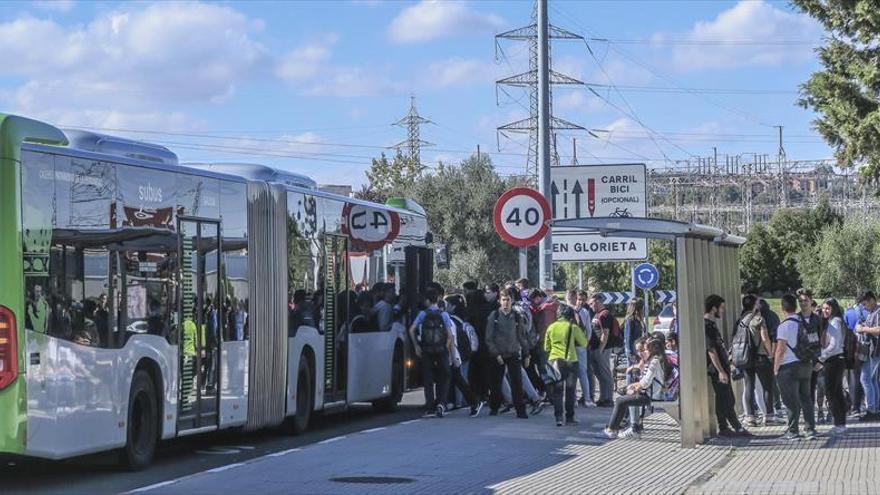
(545, 248)
(529, 81)
(780, 164)
(411, 148)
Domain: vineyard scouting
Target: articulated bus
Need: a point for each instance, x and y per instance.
(142, 300)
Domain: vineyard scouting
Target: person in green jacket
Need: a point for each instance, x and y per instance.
(560, 340)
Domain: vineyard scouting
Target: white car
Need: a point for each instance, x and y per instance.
(664, 320)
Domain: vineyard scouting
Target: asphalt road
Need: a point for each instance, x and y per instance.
(99, 474)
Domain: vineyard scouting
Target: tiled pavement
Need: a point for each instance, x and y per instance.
(458, 454)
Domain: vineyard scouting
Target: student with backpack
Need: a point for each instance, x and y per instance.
(833, 359)
(433, 336)
(793, 367)
(584, 322)
(718, 368)
(606, 333)
(869, 332)
(506, 341)
(655, 384)
(751, 351)
(812, 324)
(463, 351)
(853, 316)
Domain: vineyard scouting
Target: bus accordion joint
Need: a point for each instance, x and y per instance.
(8, 348)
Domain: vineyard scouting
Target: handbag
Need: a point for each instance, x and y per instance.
(553, 369)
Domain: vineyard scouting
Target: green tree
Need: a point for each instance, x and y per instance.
(761, 261)
(845, 92)
(390, 178)
(459, 200)
(844, 261)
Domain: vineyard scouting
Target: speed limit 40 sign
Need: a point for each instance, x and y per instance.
(522, 216)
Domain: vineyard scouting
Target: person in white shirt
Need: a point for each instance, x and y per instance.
(792, 374)
(833, 361)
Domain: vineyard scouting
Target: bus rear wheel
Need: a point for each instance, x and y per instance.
(142, 428)
(299, 422)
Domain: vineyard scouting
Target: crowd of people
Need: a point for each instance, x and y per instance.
(516, 348)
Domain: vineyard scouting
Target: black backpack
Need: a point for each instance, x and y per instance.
(805, 348)
(462, 340)
(743, 350)
(850, 348)
(432, 333)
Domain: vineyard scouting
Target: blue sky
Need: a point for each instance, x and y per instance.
(313, 86)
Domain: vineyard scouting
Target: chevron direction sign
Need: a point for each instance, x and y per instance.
(664, 296)
(616, 297)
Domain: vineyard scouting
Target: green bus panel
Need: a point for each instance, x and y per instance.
(14, 131)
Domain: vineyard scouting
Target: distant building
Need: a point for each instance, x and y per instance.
(336, 189)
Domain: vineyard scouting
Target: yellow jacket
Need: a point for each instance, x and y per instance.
(555, 339)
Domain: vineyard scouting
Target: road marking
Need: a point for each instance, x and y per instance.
(410, 421)
(331, 440)
(373, 430)
(153, 487)
(283, 452)
(219, 451)
(224, 468)
(245, 447)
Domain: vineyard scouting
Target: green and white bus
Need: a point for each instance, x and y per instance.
(142, 299)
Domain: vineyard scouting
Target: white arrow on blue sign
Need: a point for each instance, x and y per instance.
(646, 276)
(616, 297)
(664, 296)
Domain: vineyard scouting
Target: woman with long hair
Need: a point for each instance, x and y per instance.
(832, 358)
(650, 387)
(633, 329)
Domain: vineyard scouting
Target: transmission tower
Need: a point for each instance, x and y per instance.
(780, 157)
(529, 81)
(412, 146)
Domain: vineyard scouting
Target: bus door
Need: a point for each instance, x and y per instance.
(201, 323)
(337, 305)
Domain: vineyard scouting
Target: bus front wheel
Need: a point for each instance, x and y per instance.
(142, 430)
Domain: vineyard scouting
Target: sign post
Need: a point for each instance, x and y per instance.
(598, 191)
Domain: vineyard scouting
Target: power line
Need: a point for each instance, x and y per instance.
(716, 42)
(716, 91)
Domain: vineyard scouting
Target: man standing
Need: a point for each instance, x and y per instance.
(792, 373)
(582, 308)
(854, 316)
(869, 342)
(603, 324)
(38, 311)
(811, 322)
(505, 341)
(434, 344)
(718, 368)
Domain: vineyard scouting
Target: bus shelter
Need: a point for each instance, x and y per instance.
(705, 263)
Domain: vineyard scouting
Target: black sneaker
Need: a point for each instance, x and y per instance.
(505, 409)
(571, 422)
(475, 411)
(441, 411)
(727, 433)
(790, 437)
(811, 435)
(868, 417)
(493, 412)
(536, 408)
(605, 403)
(582, 402)
(558, 421)
(430, 414)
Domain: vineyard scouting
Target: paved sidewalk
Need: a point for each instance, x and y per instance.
(458, 454)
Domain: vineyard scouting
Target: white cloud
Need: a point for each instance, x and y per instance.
(304, 63)
(131, 61)
(433, 19)
(752, 20)
(458, 71)
(577, 101)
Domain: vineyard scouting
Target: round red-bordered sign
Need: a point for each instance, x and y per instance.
(368, 227)
(522, 216)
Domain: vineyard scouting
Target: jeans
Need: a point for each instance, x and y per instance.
(513, 364)
(528, 388)
(835, 367)
(583, 364)
(794, 385)
(435, 371)
(567, 388)
(622, 404)
(462, 388)
(871, 383)
(856, 392)
(763, 372)
(725, 405)
(456, 391)
(601, 366)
